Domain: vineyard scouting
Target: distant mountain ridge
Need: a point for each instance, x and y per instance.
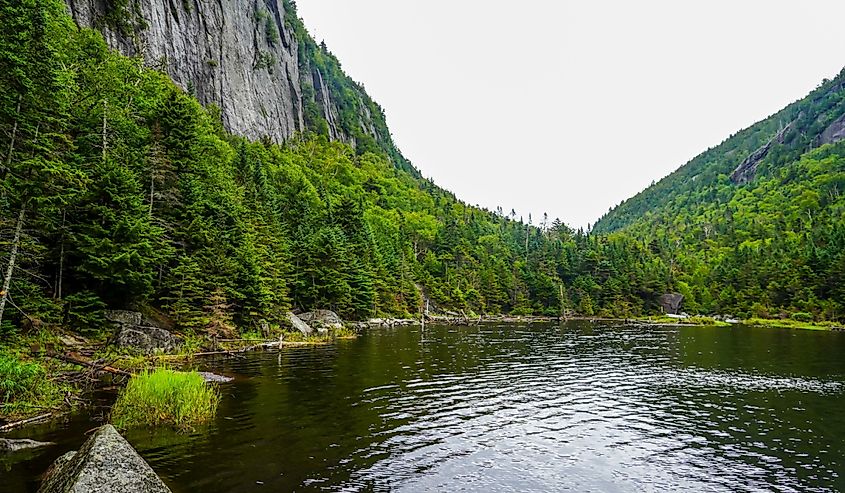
(814, 121)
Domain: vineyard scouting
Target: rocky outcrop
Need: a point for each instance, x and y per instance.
(747, 169)
(134, 331)
(671, 303)
(10, 445)
(105, 463)
(299, 325)
(833, 133)
(242, 56)
(235, 54)
(322, 319)
(147, 339)
(124, 317)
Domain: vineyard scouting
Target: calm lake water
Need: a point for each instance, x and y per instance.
(577, 407)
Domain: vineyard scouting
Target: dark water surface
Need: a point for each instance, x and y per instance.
(578, 407)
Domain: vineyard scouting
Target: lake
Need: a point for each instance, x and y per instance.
(580, 406)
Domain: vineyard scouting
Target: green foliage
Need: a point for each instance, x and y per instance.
(165, 397)
(25, 388)
(265, 60)
(133, 196)
(124, 16)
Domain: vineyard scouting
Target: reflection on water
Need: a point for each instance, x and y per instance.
(577, 407)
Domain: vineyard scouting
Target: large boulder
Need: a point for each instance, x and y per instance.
(105, 463)
(326, 319)
(138, 332)
(124, 317)
(147, 339)
(671, 303)
(299, 325)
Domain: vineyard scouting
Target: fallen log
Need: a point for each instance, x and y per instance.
(88, 364)
(235, 353)
(27, 421)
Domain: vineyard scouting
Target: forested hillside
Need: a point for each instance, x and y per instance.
(755, 225)
(120, 190)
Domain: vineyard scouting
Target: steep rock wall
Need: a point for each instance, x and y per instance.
(240, 55)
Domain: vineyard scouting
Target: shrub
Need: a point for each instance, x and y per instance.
(25, 388)
(802, 317)
(165, 397)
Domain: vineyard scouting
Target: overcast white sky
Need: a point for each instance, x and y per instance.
(570, 107)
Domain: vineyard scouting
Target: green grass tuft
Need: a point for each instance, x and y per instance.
(344, 333)
(165, 397)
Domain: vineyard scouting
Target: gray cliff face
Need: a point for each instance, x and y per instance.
(833, 133)
(236, 54)
(747, 169)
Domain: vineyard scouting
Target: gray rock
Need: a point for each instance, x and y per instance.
(322, 318)
(10, 445)
(747, 170)
(105, 463)
(833, 133)
(671, 302)
(299, 325)
(124, 317)
(147, 339)
(240, 56)
(213, 377)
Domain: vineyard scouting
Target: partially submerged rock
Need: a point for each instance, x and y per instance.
(299, 325)
(147, 339)
(105, 463)
(325, 319)
(213, 377)
(10, 445)
(389, 322)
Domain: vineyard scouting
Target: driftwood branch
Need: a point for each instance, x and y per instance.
(22, 422)
(235, 353)
(88, 364)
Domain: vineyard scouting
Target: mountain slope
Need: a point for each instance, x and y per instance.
(755, 225)
(759, 150)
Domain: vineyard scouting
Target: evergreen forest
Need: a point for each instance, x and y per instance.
(118, 190)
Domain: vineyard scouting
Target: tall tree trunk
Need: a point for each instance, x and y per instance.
(105, 141)
(61, 260)
(8, 160)
(152, 193)
(7, 280)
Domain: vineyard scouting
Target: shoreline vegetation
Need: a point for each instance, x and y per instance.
(165, 397)
(43, 377)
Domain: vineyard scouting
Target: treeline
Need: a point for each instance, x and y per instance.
(120, 191)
